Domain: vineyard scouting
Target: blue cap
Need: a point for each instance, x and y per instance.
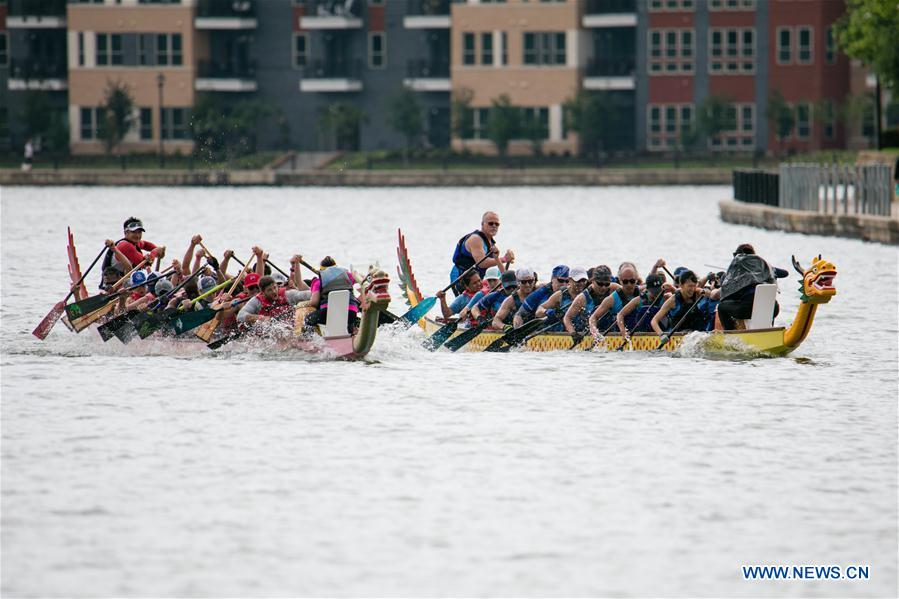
(560, 271)
(138, 278)
(679, 270)
(206, 283)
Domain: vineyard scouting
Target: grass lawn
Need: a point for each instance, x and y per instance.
(141, 162)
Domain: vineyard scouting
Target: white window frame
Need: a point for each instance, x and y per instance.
(811, 44)
(664, 139)
(830, 46)
(485, 36)
(731, 5)
(809, 123)
(779, 47)
(682, 64)
(294, 54)
(372, 35)
(96, 115)
(741, 137)
(678, 5)
(745, 63)
(474, 49)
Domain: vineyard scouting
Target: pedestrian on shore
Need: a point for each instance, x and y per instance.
(28, 155)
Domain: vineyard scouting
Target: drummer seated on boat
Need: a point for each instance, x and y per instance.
(510, 306)
(270, 302)
(331, 278)
(474, 246)
(604, 316)
(528, 309)
(746, 271)
(471, 285)
(490, 304)
(557, 304)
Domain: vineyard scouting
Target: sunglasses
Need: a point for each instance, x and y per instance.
(493, 223)
(526, 281)
(562, 280)
(628, 281)
(601, 283)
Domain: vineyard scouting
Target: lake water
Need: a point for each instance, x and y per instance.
(156, 469)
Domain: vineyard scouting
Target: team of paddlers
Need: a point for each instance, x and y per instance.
(597, 300)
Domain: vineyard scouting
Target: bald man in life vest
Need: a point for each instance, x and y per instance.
(474, 246)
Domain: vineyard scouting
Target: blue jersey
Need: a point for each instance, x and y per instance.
(535, 298)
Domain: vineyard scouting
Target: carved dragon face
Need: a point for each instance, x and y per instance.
(817, 282)
(375, 289)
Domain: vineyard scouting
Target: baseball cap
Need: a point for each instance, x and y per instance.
(250, 280)
(599, 274)
(560, 271)
(206, 283)
(163, 287)
(492, 273)
(653, 281)
(508, 279)
(524, 273)
(577, 273)
(279, 278)
(138, 278)
(679, 270)
(133, 224)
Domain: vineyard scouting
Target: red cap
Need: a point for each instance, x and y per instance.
(250, 280)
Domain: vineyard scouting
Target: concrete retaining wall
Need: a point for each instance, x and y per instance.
(426, 178)
(882, 229)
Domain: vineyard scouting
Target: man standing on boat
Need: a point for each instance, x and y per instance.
(474, 246)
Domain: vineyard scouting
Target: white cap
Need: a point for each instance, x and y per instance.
(577, 273)
(524, 273)
(492, 273)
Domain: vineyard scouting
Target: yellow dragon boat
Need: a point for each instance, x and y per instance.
(816, 288)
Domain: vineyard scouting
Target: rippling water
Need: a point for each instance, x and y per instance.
(159, 469)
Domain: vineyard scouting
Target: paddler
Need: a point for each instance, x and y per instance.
(271, 302)
(580, 315)
(529, 306)
(490, 304)
(641, 309)
(557, 304)
(606, 311)
(140, 296)
(680, 302)
(131, 247)
(474, 246)
(471, 285)
(510, 306)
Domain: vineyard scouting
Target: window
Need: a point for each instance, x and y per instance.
(468, 56)
(731, 51)
(731, 5)
(803, 125)
(377, 50)
(828, 119)
(830, 56)
(487, 48)
(4, 49)
(671, 5)
(671, 51)
(867, 123)
(741, 135)
(806, 46)
(80, 48)
(174, 123)
(481, 116)
(90, 123)
(545, 48)
(784, 45)
(667, 122)
(168, 49)
(300, 54)
(109, 49)
(4, 123)
(146, 123)
(504, 40)
(537, 118)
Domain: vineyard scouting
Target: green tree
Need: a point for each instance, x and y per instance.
(225, 132)
(343, 121)
(461, 116)
(716, 115)
(504, 123)
(589, 114)
(118, 114)
(58, 137)
(780, 117)
(867, 31)
(37, 107)
(534, 130)
(405, 116)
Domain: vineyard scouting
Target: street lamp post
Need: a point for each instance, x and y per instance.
(160, 82)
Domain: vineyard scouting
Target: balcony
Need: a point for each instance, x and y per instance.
(427, 14)
(215, 76)
(332, 14)
(38, 74)
(226, 14)
(610, 74)
(36, 14)
(332, 76)
(424, 75)
(610, 13)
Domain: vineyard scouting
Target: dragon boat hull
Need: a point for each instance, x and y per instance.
(770, 341)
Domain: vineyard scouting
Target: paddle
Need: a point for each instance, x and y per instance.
(151, 325)
(235, 334)
(459, 341)
(208, 329)
(663, 339)
(577, 337)
(109, 329)
(76, 310)
(43, 328)
(627, 334)
(515, 336)
(191, 320)
(434, 342)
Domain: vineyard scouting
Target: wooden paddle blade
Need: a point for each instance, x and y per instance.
(43, 328)
(88, 319)
(206, 331)
(434, 342)
(77, 310)
(418, 312)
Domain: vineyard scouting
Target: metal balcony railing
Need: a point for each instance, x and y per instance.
(421, 68)
(334, 8)
(37, 8)
(38, 69)
(427, 8)
(228, 9)
(598, 7)
(211, 69)
(334, 69)
(611, 67)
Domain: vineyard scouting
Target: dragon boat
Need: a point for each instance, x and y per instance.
(330, 338)
(816, 288)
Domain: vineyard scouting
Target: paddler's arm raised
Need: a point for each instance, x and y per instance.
(122, 258)
(226, 259)
(296, 276)
(551, 302)
(185, 263)
(663, 311)
(576, 307)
